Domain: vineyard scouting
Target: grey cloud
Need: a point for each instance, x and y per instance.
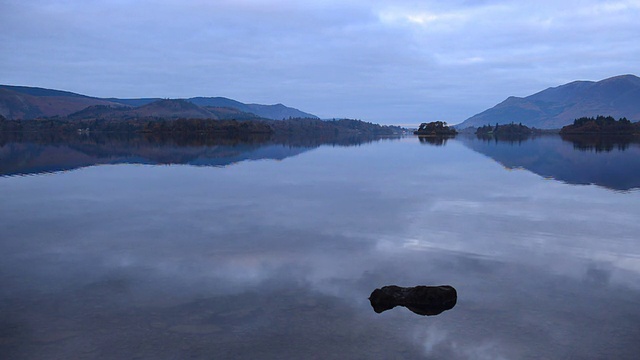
(401, 61)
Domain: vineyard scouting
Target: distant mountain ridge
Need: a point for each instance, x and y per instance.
(23, 102)
(163, 108)
(556, 107)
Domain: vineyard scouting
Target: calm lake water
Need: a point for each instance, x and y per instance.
(147, 250)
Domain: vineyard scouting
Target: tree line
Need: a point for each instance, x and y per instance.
(511, 129)
(299, 126)
(601, 125)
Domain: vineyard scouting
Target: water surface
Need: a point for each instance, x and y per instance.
(273, 256)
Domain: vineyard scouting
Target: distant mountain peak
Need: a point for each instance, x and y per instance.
(554, 107)
(629, 77)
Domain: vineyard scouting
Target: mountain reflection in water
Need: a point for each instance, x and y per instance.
(613, 163)
(25, 154)
(600, 143)
(276, 259)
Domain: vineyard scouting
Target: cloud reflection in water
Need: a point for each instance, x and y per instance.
(181, 261)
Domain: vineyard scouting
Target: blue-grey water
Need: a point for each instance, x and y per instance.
(256, 251)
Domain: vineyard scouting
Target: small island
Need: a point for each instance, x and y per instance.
(505, 130)
(601, 125)
(435, 128)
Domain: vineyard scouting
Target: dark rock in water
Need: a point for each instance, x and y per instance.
(422, 300)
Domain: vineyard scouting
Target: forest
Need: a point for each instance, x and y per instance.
(602, 125)
(505, 130)
(435, 128)
(302, 126)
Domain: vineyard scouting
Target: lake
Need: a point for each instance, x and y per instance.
(145, 249)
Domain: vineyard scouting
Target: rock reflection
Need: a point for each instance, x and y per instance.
(422, 300)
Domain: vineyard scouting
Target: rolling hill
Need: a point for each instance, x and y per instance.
(162, 108)
(556, 107)
(273, 112)
(22, 102)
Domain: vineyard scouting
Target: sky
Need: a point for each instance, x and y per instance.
(390, 62)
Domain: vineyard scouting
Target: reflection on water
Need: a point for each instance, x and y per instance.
(505, 138)
(24, 154)
(434, 140)
(614, 163)
(422, 300)
(600, 143)
(276, 259)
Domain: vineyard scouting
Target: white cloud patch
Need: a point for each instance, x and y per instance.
(422, 18)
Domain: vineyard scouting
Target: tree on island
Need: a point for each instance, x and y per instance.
(504, 130)
(601, 125)
(435, 128)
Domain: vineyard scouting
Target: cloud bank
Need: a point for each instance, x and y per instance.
(382, 61)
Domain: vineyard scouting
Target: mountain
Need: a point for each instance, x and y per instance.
(556, 107)
(273, 112)
(163, 108)
(220, 102)
(278, 112)
(22, 102)
(172, 108)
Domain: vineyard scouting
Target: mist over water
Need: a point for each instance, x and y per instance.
(273, 252)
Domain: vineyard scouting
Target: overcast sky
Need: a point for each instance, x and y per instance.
(398, 61)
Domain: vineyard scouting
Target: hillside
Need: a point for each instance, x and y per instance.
(278, 112)
(601, 125)
(170, 108)
(556, 107)
(166, 109)
(22, 102)
(273, 112)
